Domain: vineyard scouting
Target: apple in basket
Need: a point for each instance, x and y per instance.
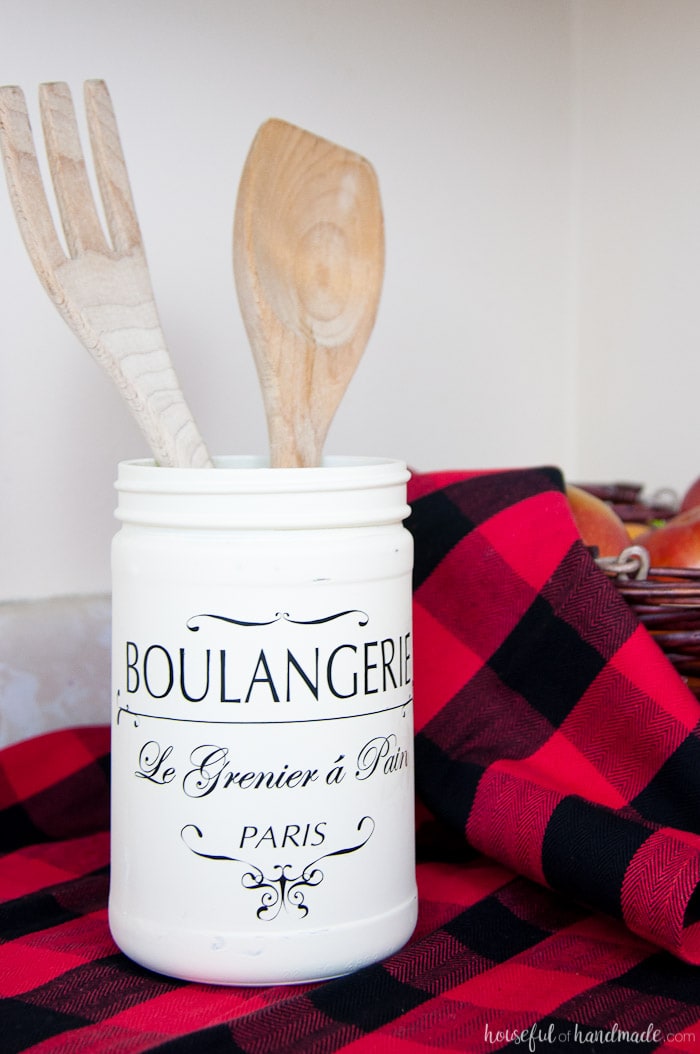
(691, 498)
(676, 543)
(598, 524)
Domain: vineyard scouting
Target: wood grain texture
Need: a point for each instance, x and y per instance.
(309, 264)
(100, 285)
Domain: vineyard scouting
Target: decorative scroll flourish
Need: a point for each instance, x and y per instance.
(282, 890)
(280, 616)
(124, 709)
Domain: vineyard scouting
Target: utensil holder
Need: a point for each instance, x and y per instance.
(262, 733)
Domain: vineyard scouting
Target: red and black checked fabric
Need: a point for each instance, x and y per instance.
(551, 731)
(557, 833)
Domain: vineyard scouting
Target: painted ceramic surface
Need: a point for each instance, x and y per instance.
(262, 722)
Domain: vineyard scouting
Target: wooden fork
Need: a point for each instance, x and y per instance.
(102, 290)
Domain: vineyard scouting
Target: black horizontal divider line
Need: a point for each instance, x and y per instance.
(263, 721)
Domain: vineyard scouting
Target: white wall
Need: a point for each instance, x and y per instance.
(538, 167)
(639, 227)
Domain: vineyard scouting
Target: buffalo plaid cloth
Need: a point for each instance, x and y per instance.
(558, 832)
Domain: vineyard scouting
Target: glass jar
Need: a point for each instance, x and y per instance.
(262, 733)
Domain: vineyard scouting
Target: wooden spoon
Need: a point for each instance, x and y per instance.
(308, 250)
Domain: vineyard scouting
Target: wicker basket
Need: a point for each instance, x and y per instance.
(667, 601)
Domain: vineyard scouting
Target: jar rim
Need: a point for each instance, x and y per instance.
(251, 473)
(244, 492)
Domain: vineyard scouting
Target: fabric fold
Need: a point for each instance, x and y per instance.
(551, 731)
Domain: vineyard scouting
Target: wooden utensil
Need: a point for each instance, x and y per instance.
(102, 290)
(309, 261)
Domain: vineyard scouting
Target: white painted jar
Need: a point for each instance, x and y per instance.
(262, 733)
